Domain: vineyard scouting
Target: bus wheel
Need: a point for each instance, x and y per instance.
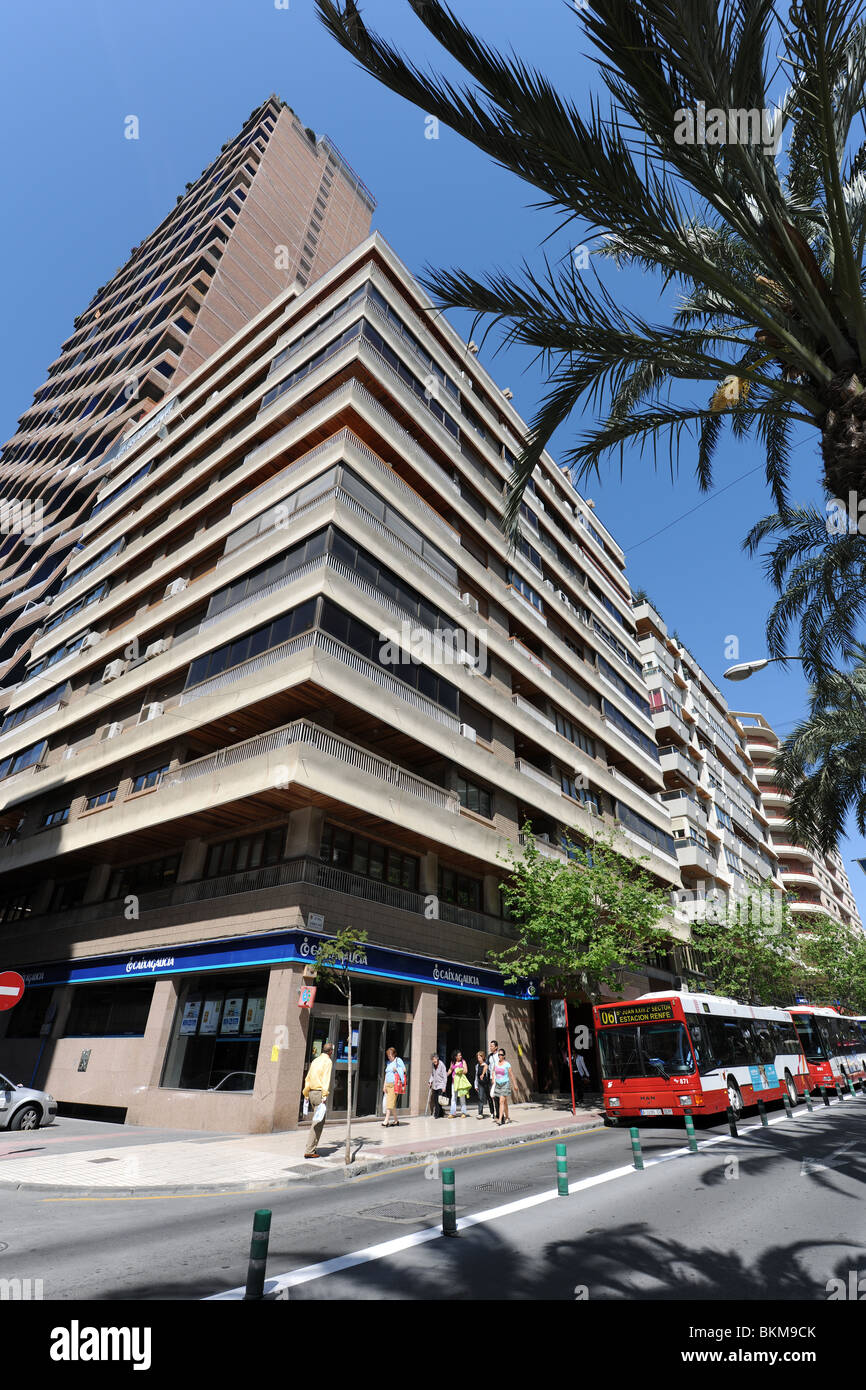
(611, 1121)
(793, 1093)
(735, 1100)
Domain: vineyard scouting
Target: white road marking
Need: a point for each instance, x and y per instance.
(307, 1273)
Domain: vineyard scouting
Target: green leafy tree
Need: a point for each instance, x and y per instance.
(334, 960)
(749, 945)
(582, 921)
(761, 230)
(834, 960)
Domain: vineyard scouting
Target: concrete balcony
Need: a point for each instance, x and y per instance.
(694, 856)
(672, 760)
(529, 656)
(681, 804)
(529, 708)
(528, 770)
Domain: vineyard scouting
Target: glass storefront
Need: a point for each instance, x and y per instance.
(381, 1018)
(216, 1034)
(460, 1027)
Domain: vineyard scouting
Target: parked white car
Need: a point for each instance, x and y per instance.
(21, 1108)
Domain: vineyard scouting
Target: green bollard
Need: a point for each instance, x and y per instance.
(690, 1131)
(762, 1111)
(807, 1096)
(787, 1104)
(561, 1171)
(850, 1085)
(824, 1096)
(637, 1157)
(732, 1124)
(449, 1211)
(258, 1254)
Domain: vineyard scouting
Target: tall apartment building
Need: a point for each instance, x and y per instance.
(294, 680)
(276, 206)
(813, 882)
(721, 828)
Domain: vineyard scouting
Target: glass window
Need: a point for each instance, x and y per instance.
(216, 1034)
(102, 1011)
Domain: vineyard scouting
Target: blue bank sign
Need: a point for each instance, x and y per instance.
(274, 948)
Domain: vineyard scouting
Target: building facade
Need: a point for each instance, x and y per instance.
(295, 680)
(276, 206)
(720, 825)
(813, 883)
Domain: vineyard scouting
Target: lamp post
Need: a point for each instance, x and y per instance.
(744, 669)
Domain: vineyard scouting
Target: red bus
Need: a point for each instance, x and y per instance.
(834, 1044)
(669, 1054)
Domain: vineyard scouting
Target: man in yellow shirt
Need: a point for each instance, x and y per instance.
(316, 1088)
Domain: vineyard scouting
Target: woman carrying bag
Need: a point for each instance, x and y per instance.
(460, 1083)
(395, 1085)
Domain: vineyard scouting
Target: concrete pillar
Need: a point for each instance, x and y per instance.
(424, 1029)
(428, 875)
(283, 1050)
(97, 883)
(192, 860)
(157, 1034)
(509, 1021)
(304, 835)
(491, 895)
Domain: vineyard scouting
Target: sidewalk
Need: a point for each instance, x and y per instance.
(259, 1162)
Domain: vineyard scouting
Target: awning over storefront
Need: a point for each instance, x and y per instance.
(273, 948)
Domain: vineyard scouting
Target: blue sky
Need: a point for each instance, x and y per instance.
(79, 195)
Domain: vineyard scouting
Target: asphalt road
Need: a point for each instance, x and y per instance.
(773, 1215)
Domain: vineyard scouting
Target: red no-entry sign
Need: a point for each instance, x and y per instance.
(11, 989)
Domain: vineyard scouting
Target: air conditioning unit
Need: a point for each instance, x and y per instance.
(155, 648)
(112, 671)
(152, 711)
(560, 593)
(549, 585)
(470, 600)
(91, 640)
(466, 660)
(113, 730)
(176, 586)
(467, 731)
(540, 505)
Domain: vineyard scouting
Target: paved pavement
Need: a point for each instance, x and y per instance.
(139, 1162)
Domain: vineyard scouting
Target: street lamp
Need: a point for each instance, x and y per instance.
(744, 669)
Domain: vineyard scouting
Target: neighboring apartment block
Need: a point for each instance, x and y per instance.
(276, 206)
(813, 883)
(720, 827)
(294, 680)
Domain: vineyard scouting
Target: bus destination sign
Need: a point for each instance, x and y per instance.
(659, 1011)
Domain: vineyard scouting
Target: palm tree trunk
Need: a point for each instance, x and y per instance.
(843, 435)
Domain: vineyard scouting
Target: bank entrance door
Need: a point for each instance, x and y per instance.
(372, 1033)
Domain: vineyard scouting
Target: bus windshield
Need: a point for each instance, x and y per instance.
(811, 1037)
(646, 1049)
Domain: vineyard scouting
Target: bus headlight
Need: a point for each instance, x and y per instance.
(614, 1100)
(685, 1100)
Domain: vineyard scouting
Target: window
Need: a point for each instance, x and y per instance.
(109, 1011)
(460, 889)
(644, 828)
(574, 734)
(54, 818)
(216, 1034)
(146, 780)
(28, 1016)
(144, 878)
(578, 793)
(525, 589)
(68, 894)
(17, 762)
(251, 852)
(475, 798)
(102, 799)
(477, 719)
(35, 707)
(364, 640)
(261, 639)
(630, 730)
(368, 859)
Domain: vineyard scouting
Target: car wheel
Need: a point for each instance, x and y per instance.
(793, 1093)
(27, 1117)
(735, 1100)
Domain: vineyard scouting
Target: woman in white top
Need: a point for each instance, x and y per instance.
(502, 1085)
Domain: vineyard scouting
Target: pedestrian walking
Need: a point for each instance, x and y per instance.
(437, 1083)
(460, 1083)
(502, 1085)
(581, 1074)
(491, 1063)
(316, 1088)
(395, 1085)
(482, 1083)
